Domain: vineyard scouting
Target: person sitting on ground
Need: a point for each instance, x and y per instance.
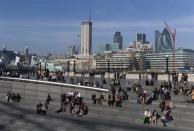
(94, 98)
(13, 97)
(118, 100)
(192, 95)
(147, 115)
(8, 96)
(44, 109)
(167, 116)
(155, 117)
(48, 99)
(97, 84)
(39, 108)
(18, 97)
(162, 105)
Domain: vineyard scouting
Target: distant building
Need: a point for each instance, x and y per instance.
(117, 62)
(141, 37)
(118, 39)
(184, 59)
(113, 47)
(157, 40)
(139, 46)
(101, 48)
(86, 38)
(165, 40)
(7, 57)
(71, 51)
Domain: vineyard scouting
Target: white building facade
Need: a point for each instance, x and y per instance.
(86, 38)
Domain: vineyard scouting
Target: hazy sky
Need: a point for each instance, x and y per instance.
(52, 25)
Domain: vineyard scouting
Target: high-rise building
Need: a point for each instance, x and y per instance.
(101, 48)
(157, 39)
(86, 38)
(141, 37)
(165, 40)
(113, 47)
(118, 39)
(71, 51)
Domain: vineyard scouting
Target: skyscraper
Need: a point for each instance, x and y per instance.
(165, 40)
(157, 39)
(141, 37)
(118, 39)
(86, 38)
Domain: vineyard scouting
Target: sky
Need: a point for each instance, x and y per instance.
(50, 26)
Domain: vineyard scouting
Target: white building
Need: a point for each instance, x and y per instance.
(86, 38)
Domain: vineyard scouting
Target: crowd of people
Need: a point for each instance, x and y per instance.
(73, 100)
(15, 97)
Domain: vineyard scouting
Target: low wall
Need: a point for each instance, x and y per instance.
(38, 90)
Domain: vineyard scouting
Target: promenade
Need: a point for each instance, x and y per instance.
(22, 116)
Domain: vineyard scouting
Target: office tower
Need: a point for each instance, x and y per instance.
(118, 39)
(86, 38)
(165, 40)
(141, 37)
(71, 50)
(157, 39)
(114, 47)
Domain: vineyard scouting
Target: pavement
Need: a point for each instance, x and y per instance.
(22, 116)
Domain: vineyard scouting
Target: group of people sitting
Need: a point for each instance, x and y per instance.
(151, 117)
(97, 98)
(15, 97)
(42, 108)
(117, 94)
(75, 102)
(154, 116)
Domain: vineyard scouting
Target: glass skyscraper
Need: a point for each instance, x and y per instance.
(141, 37)
(157, 39)
(165, 40)
(118, 39)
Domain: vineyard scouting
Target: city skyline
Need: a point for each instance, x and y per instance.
(44, 25)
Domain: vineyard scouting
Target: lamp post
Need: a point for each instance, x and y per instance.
(167, 57)
(40, 64)
(68, 68)
(108, 68)
(167, 71)
(74, 68)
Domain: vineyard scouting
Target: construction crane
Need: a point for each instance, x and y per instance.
(172, 32)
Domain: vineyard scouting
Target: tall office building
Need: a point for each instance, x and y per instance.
(118, 39)
(141, 37)
(157, 39)
(86, 38)
(165, 40)
(71, 51)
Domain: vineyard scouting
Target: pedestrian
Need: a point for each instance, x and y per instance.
(147, 115)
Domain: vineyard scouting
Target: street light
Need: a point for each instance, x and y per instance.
(68, 68)
(108, 68)
(167, 57)
(74, 67)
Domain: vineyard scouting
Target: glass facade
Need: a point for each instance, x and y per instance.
(118, 39)
(165, 40)
(141, 37)
(157, 39)
(184, 59)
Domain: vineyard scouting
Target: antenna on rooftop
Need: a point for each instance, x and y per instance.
(90, 14)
